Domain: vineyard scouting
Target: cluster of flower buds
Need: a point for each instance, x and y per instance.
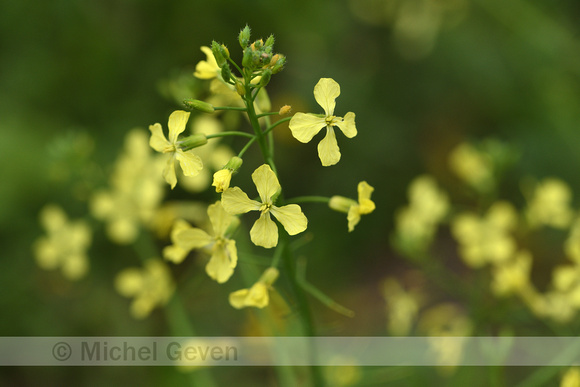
(259, 56)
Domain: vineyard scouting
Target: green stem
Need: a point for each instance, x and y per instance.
(267, 114)
(257, 129)
(232, 133)
(237, 108)
(245, 148)
(269, 128)
(309, 199)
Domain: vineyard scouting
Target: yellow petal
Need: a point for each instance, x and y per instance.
(237, 299)
(52, 218)
(264, 232)
(325, 92)
(256, 296)
(190, 163)
(291, 217)
(206, 69)
(266, 182)
(174, 253)
(353, 217)
(364, 198)
(220, 266)
(328, 148)
(157, 140)
(177, 121)
(169, 172)
(235, 201)
(347, 125)
(75, 266)
(305, 126)
(193, 238)
(219, 218)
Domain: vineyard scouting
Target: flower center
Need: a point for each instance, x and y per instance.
(171, 148)
(330, 120)
(265, 207)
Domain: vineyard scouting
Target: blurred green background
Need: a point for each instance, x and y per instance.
(421, 76)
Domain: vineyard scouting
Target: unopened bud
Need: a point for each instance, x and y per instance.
(199, 105)
(279, 64)
(340, 203)
(193, 141)
(218, 53)
(244, 37)
(226, 73)
(269, 276)
(240, 89)
(266, 76)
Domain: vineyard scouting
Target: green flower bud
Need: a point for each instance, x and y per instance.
(234, 164)
(218, 53)
(226, 73)
(248, 59)
(244, 37)
(278, 64)
(193, 141)
(266, 76)
(199, 105)
(341, 204)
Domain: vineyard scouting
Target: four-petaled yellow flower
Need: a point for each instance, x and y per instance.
(257, 295)
(224, 255)
(354, 209)
(190, 163)
(265, 232)
(305, 126)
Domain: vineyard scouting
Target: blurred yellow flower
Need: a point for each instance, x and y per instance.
(150, 286)
(354, 209)
(256, 296)
(65, 244)
(224, 255)
(571, 378)
(550, 204)
(136, 190)
(264, 232)
(512, 276)
(190, 163)
(472, 166)
(402, 307)
(305, 126)
(207, 69)
(416, 223)
(486, 240)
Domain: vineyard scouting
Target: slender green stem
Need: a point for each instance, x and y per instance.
(267, 114)
(309, 199)
(246, 147)
(232, 133)
(237, 108)
(269, 128)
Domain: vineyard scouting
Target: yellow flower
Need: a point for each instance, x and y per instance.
(571, 378)
(207, 69)
(65, 245)
(222, 178)
(354, 209)
(257, 295)
(305, 126)
(264, 232)
(487, 239)
(190, 163)
(512, 276)
(402, 307)
(472, 166)
(224, 255)
(136, 190)
(151, 286)
(550, 204)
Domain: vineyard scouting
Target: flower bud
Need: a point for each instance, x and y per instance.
(193, 141)
(199, 105)
(278, 64)
(340, 203)
(222, 178)
(240, 89)
(270, 41)
(244, 37)
(269, 276)
(266, 76)
(248, 59)
(218, 53)
(226, 73)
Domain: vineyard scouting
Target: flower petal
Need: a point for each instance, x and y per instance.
(364, 198)
(256, 296)
(219, 218)
(325, 92)
(328, 148)
(347, 125)
(353, 217)
(291, 217)
(169, 172)
(235, 201)
(264, 232)
(266, 182)
(190, 163)
(206, 69)
(192, 238)
(220, 267)
(305, 126)
(157, 140)
(177, 121)
(174, 253)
